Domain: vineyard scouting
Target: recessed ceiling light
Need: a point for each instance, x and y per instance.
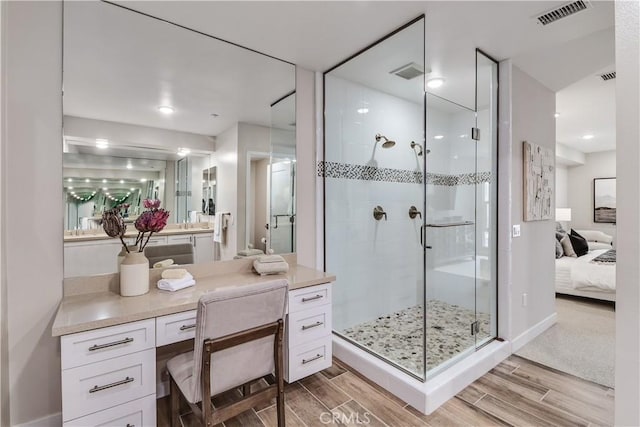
(132, 189)
(87, 180)
(107, 194)
(129, 166)
(556, 115)
(435, 83)
(143, 179)
(183, 152)
(104, 180)
(70, 188)
(166, 109)
(362, 110)
(102, 143)
(105, 189)
(70, 180)
(587, 136)
(438, 137)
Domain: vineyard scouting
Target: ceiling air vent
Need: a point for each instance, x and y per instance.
(608, 76)
(408, 71)
(562, 12)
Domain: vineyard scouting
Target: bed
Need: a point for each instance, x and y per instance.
(583, 277)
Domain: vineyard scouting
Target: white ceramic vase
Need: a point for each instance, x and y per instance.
(123, 253)
(134, 275)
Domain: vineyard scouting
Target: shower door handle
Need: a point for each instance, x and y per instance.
(423, 237)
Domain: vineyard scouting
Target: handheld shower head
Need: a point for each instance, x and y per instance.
(387, 143)
(414, 145)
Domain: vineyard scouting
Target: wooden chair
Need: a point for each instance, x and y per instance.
(239, 340)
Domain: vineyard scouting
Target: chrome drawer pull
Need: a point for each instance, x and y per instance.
(305, 327)
(117, 383)
(305, 361)
(312, 298)
(185, 327)
(111, 344)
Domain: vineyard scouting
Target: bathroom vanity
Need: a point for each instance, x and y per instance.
(93, 252)
(113, 347)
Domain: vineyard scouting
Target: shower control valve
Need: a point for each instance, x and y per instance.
(378, 213)
(413, 212)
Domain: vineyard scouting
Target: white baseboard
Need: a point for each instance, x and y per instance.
(528, 335)
(53, 420)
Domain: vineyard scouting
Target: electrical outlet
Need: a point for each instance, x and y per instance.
(516, 230)
(525, 299)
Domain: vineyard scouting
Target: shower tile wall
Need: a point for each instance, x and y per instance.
(378, 263)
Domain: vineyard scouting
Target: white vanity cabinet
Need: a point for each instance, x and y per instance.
(91, 257)
(202, 245)
(308, 332)
(108, 375)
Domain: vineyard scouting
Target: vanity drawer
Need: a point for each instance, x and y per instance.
(138, 413)
(101, 344)
(314, 296)
(307, 325)
(175, 327)
(92, 388)
(307, 359)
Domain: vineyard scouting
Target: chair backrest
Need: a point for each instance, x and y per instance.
(181, 253)
(231, 310)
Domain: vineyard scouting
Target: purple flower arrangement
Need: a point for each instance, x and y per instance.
(150, 221)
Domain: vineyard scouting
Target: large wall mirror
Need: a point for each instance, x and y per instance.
(156, 111)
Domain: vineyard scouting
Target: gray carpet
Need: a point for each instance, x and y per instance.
(582, 343)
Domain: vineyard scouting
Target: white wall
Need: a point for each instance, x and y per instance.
(532, 256)
(33, 159)
(226, 161)
(253, 138)
(628, 158)
(580, 189)
(4, 355)
(562, 184)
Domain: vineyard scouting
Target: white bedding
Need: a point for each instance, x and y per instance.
(585, 274)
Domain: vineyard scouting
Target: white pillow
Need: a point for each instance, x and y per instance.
(595, 236)
(599, 245)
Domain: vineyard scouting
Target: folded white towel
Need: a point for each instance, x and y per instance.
(265, 259)
(250, 252)
(163, 264)
(176, 284)
(175, 273)
(264, 268)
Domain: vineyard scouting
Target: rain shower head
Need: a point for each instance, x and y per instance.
(387, 143)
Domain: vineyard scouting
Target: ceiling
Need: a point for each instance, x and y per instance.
(142, 63)
(588, 107)
(120, 66)
(318, 35)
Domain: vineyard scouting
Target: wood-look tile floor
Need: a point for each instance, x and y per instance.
(517, 392)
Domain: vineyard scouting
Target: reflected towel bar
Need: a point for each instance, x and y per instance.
(451, 224)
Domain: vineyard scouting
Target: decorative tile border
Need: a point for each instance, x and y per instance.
(370, 173)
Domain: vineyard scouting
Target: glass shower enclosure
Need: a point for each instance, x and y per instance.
(410, 186)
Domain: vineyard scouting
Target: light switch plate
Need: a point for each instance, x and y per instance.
(516, 230)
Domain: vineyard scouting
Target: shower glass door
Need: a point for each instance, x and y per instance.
(374, 197)
(450, 233)
(486, 197)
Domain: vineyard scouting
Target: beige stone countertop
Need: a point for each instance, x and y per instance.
(99, 235)
(86, 311)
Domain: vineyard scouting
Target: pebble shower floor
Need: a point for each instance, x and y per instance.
(399, 336)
